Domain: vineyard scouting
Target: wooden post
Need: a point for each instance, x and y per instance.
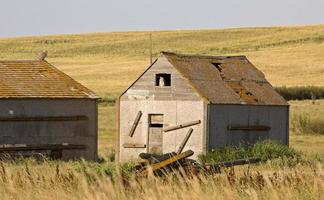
(137, 119)
(184, 142)
(151, 49)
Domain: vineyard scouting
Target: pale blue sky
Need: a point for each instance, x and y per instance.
(39, 17)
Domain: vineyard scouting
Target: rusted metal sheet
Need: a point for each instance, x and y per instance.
(38, 79)
(226, 79)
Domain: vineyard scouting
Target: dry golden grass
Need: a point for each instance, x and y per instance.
(57, 180)
(108, 62)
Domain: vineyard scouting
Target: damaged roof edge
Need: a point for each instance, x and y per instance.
(200, 55)
(138, 78)
(216, 85)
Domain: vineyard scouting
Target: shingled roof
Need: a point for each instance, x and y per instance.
(38, 79)
(226, 79)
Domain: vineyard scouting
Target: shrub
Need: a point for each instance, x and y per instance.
(265, 150)
(109, 99)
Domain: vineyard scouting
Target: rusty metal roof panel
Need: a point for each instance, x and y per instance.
(226, 79)
(38, 79)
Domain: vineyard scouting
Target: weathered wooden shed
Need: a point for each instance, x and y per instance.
(224, 99)
(43, 110)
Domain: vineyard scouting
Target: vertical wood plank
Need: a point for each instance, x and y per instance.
(137, 119)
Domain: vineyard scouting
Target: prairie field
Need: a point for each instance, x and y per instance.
(109, 62)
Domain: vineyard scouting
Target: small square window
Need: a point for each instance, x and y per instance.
(163, 80)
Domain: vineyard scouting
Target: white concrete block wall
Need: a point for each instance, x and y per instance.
(174, 113)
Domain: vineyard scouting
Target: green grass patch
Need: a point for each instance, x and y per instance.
(266, 150)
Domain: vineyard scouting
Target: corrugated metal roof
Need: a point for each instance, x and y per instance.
(38, 79)
(226, 79)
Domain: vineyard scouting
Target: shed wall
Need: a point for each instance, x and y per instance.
(222, 116)
(174, 113)
(36, 132)
(178, 103)
(144, 88)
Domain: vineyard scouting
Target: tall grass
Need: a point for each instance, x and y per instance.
(304, 124)
(58, 180)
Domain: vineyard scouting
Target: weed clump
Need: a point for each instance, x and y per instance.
(266, 150)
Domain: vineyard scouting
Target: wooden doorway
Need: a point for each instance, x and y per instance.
(155, 137)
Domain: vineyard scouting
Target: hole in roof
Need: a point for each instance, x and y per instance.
(218, 67)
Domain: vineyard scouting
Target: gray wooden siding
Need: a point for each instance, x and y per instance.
(36, 132)
(179, 104)
(220, 116)
(145, 88)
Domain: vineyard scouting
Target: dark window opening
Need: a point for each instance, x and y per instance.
(218, 67)
(156, 125)
(156, 120)
(163, 80)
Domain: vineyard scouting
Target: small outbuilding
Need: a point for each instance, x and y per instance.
(44, 111)
(218, 100)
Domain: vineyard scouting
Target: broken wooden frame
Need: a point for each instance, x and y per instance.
(137, 119)
(184, 125)
(248, 128)
(185, 140)
(166, 162)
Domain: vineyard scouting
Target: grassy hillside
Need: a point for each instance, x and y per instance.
(109, 62)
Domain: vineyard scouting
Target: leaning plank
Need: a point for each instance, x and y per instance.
(167, 162)
(137, 119)
(184, 142)
(184, 125)
(134, 145)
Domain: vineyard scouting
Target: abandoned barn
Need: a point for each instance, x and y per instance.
(44, 111)
(198, 103)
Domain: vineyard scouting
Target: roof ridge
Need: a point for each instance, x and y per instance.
(35, 60)
(200, 55)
